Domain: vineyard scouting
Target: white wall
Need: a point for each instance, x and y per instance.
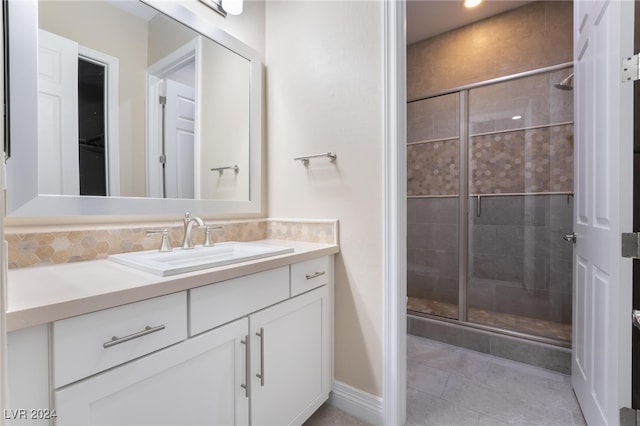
(247, 27)
(324, 93)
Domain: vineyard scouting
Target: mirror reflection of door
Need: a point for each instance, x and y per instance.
(57, 115)
(76, 88)
(172, 145)
(179, 143)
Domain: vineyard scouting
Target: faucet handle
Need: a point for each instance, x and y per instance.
(207, 235)
(166, 244)
(187, 217)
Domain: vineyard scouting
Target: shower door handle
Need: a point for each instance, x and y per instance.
(570, 238)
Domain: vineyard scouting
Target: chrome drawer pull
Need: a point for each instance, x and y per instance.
(316, 275)
(245, 386)
(115, 340)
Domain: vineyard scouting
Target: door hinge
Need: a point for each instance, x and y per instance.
(629, 417)
(162, 100)
(162, 159)
(631, 68)
(631, 245)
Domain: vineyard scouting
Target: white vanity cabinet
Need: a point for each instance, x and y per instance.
(256, 349)
(289, 338)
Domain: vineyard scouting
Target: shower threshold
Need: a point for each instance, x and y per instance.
(522, 324)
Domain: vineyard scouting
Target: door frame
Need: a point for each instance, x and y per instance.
(394, 213)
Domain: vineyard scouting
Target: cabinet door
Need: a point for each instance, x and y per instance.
(198, 381)
(290, 359)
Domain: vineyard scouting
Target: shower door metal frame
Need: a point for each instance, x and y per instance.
(463, 203)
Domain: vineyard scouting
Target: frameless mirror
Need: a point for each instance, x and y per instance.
(118, 107)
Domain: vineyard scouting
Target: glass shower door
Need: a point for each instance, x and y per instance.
(433, 193)
(520, 206)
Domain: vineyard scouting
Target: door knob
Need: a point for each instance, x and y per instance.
(635, 315)
(570, 238)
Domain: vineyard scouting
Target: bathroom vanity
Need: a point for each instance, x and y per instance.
(103, 343)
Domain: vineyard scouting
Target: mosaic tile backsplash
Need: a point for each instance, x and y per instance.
(56, 247)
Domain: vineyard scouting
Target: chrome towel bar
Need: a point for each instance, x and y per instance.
(305, 159)
(221, 169)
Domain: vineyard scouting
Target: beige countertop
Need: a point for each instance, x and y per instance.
(39, 295)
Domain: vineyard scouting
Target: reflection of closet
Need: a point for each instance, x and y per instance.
(77, 134)
(91, 128)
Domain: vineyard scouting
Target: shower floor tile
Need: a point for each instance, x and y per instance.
(523, 324)
(448, 385)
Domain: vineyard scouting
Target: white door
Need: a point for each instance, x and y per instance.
(58, 161)
(601, 367)
(179, 145)
(197, 382)
(290, 359)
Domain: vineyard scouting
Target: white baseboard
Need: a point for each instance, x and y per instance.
(358, 403)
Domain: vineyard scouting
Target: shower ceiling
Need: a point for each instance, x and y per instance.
(426, 18)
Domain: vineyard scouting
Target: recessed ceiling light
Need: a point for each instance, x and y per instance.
(471, 3)
(516, 117)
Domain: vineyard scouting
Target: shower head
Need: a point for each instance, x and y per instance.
(566, 84)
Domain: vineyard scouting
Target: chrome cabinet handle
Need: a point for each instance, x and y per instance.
(261, 374)
(245, 386)
(115, 340)
(316, 275)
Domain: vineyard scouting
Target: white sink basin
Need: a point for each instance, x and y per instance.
(179, 261)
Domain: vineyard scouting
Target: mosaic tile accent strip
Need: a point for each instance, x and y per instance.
(521, 161)
(313, 232)
(525, 161)
(432, 168)
(74, 245)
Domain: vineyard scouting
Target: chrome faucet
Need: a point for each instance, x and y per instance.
(187, 242)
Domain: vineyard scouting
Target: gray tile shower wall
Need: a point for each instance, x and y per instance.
(533, 36)
(518, 264)
(432, 248)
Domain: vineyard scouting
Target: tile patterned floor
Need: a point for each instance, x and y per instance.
(452, 386)
(448, 385)
(328, 415)
(533, 326)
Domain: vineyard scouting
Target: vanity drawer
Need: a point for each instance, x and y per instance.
(308, 275)
(219, 303)
(87, 344)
